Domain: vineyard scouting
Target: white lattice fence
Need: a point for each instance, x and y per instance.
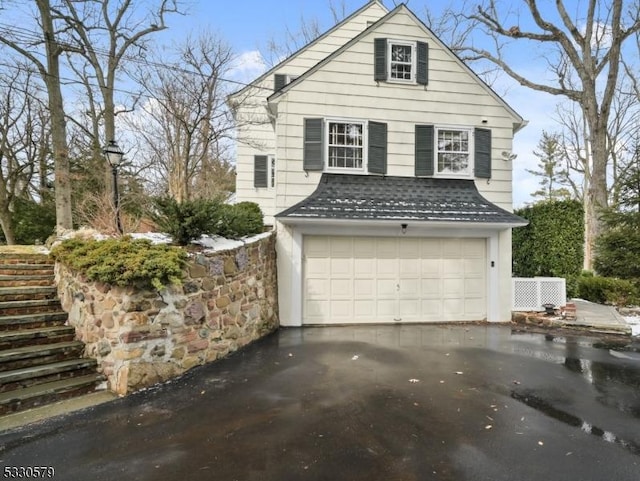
(529, 294)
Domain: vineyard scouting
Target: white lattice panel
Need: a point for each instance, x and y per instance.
(530, 294)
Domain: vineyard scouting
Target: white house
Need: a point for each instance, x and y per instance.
(384, 164)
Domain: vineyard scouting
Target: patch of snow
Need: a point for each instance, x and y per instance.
(210, 243)
(634, 322)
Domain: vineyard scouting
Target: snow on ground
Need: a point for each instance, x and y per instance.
(210, 243)
(634, 322)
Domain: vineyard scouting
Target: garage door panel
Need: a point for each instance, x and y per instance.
(364, 310)
(409, 249)
(364, 288)
(364, 268)
(474, 248)
(387, 248)
(452, 249)
(431, 268)
(452, 267)
(341, 247)
(431, 288)
(317, 267)
(342, 310)
(387, 268)
(341, 267)
(341, 288)
(358, 279)
(453, 288)
(387, 288)
(409, 289)
(317, 288)
(430, 248)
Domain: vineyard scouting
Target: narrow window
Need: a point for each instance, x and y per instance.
(345, 145)
(272, 172)
(453, 152)
(402, 61)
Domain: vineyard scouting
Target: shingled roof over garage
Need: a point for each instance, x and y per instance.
(369, 197)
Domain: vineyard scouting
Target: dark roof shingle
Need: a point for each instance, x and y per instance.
(368, 197)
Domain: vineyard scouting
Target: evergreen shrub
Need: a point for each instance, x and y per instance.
(608, 290)
(185, 221)
(552, 244)
(123, 262)
(239, 220)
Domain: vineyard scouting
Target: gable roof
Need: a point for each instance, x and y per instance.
(369, 197)
(519, 122)
(310, 44)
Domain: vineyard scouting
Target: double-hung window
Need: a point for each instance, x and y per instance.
(345, 145)
(453, 151)
(402, 61)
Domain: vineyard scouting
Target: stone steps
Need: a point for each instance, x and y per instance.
(36, 336)
(40, 359)
(48, 393)
(41, 374)
(38, 354)
(29, 321)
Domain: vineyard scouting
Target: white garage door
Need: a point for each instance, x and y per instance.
(369, 279)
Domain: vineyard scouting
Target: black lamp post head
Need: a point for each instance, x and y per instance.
(113, 153)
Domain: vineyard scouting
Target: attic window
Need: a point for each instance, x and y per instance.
(402, 61)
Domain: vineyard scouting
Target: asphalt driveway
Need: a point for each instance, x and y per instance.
(366, 403)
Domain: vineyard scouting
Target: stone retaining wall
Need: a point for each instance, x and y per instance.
(227, 299)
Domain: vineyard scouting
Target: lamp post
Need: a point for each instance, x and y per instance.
(114, 155)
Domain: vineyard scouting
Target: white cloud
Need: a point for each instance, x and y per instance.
(247, 66)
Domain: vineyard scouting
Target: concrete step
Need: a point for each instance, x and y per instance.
(47, 393)
(38, 336)
(30, 321)
(27, 293)
(39, 354)
(39, 306)
(30, 376)
(27, 280)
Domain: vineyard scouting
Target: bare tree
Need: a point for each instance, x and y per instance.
(584, 56)
(186, 124)
(50, 73)
(107, 35)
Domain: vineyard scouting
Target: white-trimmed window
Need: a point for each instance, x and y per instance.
(402, 61)
(346, 145)
(453, 151)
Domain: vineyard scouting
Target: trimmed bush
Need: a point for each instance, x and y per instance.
(608, 290)
(123, 262)
(239, 220)
(185, 221)
(618, 247)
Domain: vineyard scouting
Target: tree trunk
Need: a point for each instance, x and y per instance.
(596, 197)
(58, 124)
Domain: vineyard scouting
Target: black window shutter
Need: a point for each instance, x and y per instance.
(483, 153)
(422, 74)
(377, 148)
(424, 150)
(279, 81)
(313, 158)
(260, 171)
(380, 59)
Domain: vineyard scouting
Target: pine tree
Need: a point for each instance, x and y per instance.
(552, 175)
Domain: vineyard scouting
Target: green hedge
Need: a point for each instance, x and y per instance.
(187, 221)
(552, 244)
(123, 262)
(608, 290)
